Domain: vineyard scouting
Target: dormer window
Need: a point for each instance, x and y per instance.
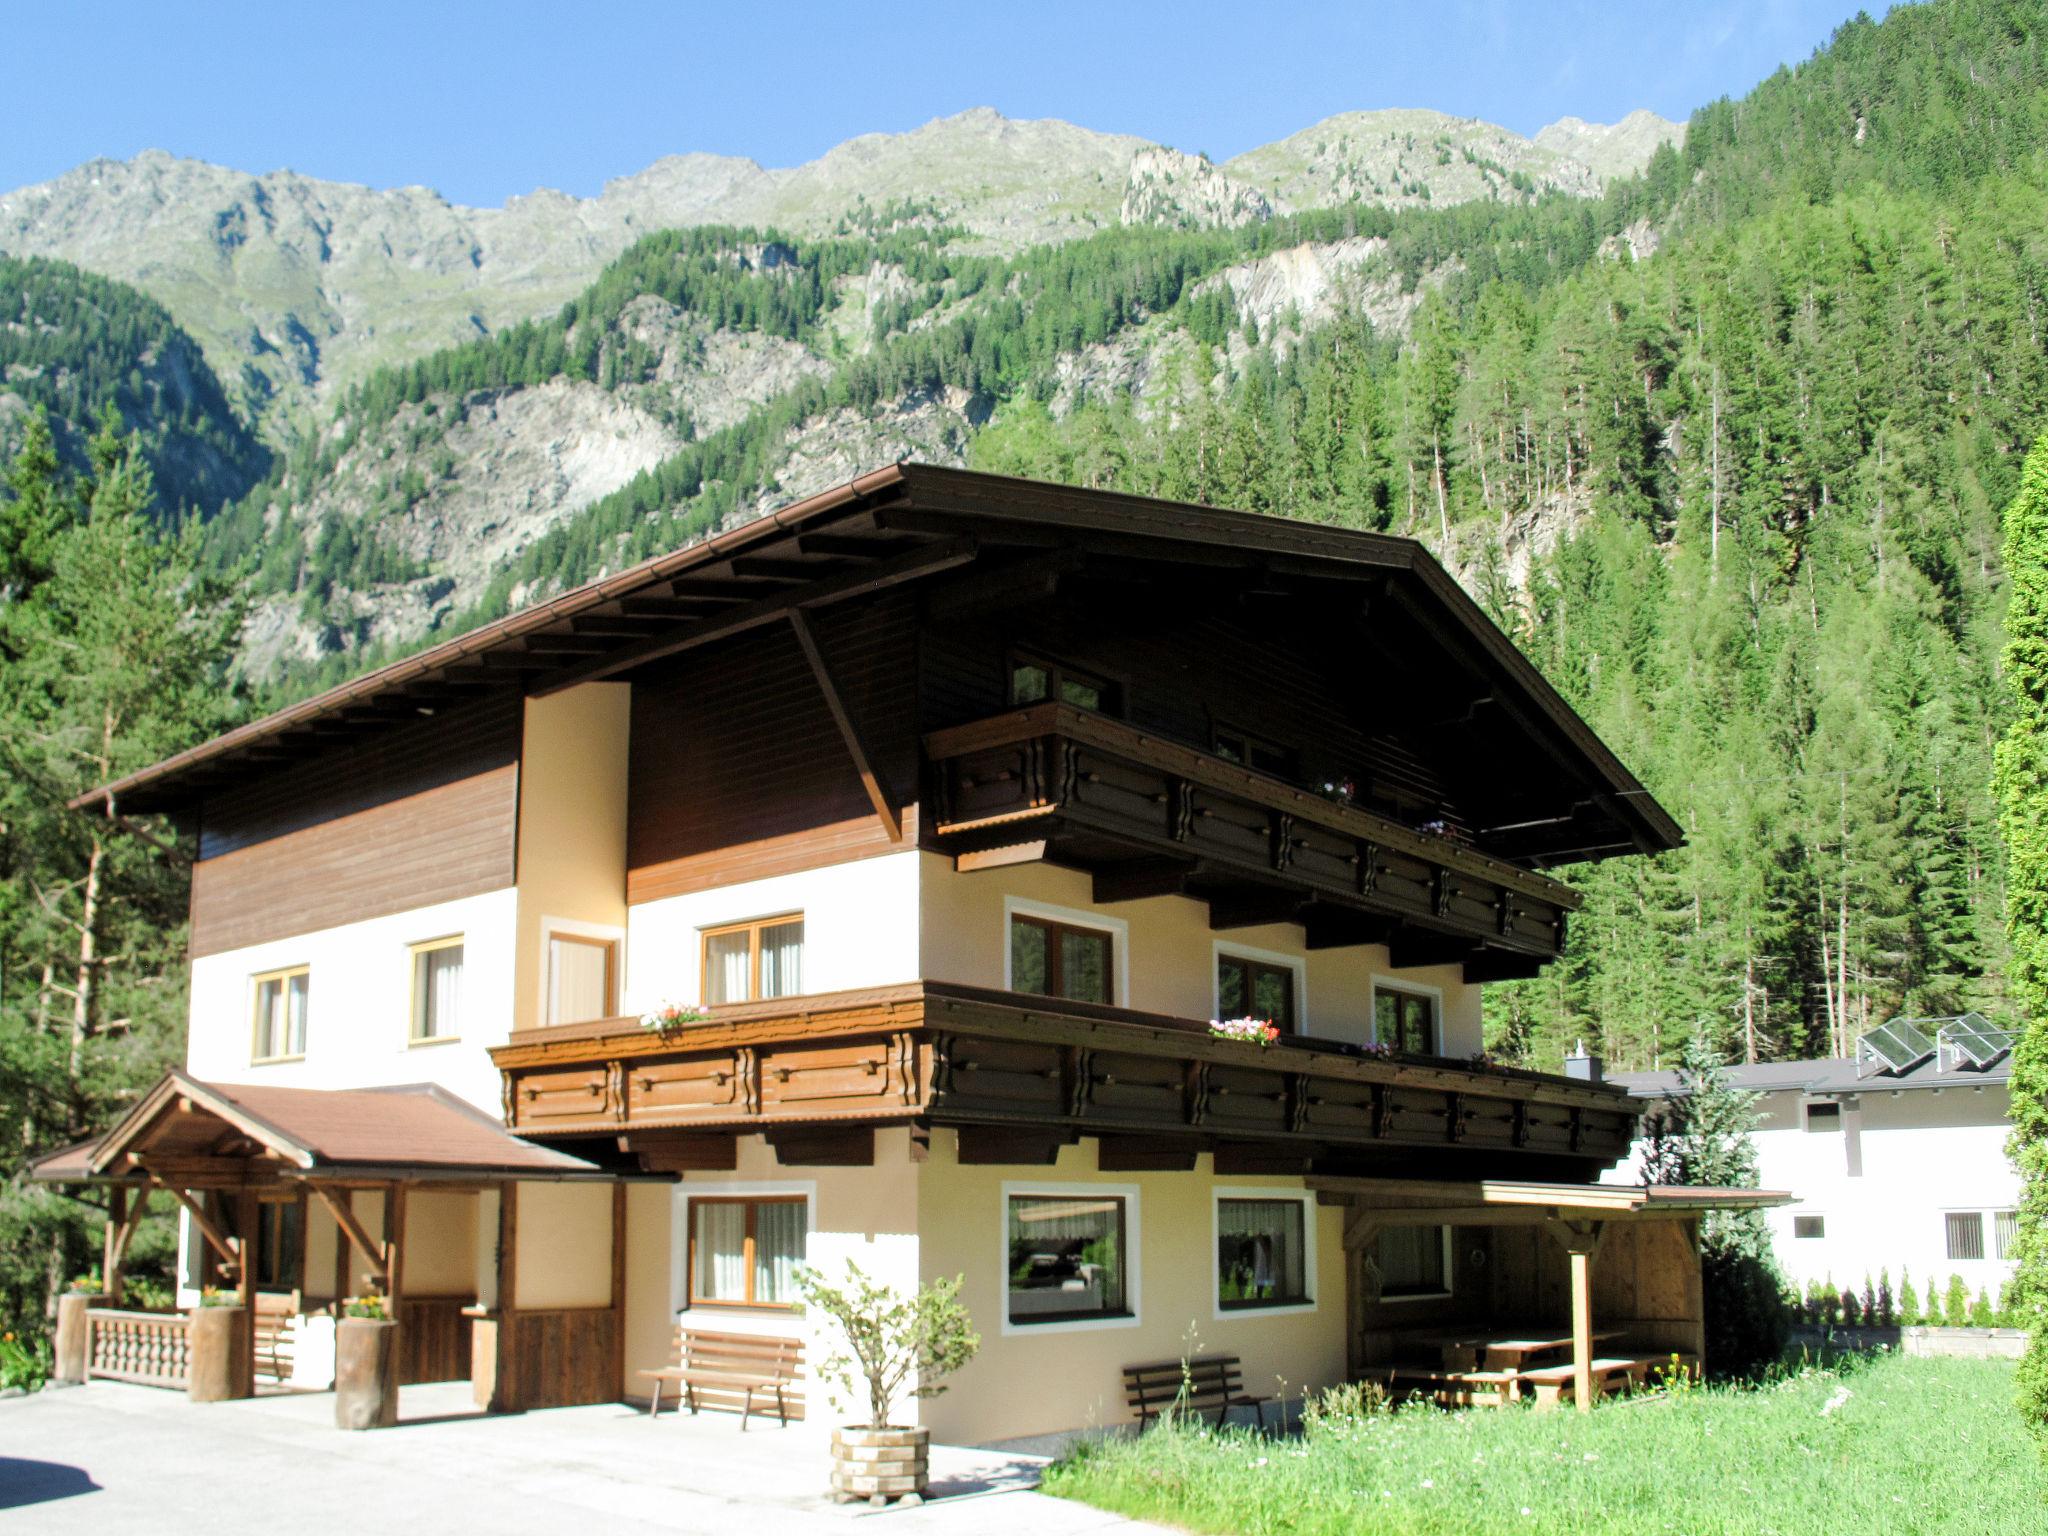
(1037, 679)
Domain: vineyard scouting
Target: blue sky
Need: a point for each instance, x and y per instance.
(484, 101)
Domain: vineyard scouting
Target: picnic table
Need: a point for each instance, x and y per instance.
(1511, 1354)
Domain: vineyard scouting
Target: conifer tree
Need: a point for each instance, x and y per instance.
(2022, 783)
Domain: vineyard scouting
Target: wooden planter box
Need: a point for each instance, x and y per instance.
(72, 1329)
(880, 1465)
(365, 1373)
(219, 1366)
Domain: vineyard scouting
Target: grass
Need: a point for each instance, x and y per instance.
(1884, 1444)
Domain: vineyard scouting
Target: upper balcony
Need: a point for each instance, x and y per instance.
(1019, 1076)
(1149, 817)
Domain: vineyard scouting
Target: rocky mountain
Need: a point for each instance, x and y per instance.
(297, 288)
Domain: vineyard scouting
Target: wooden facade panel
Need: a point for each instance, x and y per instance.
(1127, 1087)
(458, 839)
(1243, 1100)
(701, 1084)
(831, 1075)
(433, 1339)
(737, 769)
(1006, 1077)
(564, 1359)
(574, 1093)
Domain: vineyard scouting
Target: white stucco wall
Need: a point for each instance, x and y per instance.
(860, 929)
(359, 1003)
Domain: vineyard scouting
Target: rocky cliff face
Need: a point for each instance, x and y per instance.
(297, 287)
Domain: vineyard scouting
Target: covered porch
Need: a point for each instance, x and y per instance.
(1487, 1291)
(296, 1201)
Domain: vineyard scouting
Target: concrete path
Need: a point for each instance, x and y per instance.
(109, 1458)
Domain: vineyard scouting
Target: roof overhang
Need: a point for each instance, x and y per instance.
(911, 522)
(1480, 1202)
(188, 1131)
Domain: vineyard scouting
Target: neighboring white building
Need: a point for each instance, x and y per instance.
(1896, 1167)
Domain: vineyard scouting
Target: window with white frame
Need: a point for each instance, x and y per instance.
(1965, 1232)
(1262, 1255)
(1414, 1263)
(1406, 1019)
(1068, 1253)
(437, 990)
(2005, 1231)
(280, 1014)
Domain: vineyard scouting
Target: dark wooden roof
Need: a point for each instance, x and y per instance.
(1457, 681)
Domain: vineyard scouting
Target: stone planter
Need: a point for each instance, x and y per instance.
(72, 1306)
(219, 1366)
(365, 1373)
(880, 1465)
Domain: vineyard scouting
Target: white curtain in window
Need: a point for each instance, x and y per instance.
(1260, 1247)
(728, 966)
(297, 989)
(778, 1249)
(1411, 1261)
(782, 959)
(721, 1252)
(439, 1002)
(579, 980)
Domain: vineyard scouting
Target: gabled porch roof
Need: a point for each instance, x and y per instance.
(201, 1134)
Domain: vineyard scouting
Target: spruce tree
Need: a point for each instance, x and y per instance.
(2022, 784)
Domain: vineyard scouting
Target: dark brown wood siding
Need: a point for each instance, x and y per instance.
(737, 770)
(422, 813)
(1183, 666)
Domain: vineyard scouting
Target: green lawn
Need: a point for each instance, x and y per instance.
(1886, 1445)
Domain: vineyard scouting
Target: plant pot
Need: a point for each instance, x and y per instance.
(880, 1465)
(218, 1367)
(365, 1373)
(72, 1326)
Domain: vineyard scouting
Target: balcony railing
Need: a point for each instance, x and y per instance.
(1151, 816)
(1020, 1075)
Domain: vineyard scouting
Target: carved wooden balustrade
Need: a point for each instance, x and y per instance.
(1151, 816)
(146, 1347)
(1020, 1076)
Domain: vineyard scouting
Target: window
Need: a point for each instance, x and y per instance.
(582, 978)
(280, 1239)
(281, 1014)
(1965, 1234)
(1067, 1257)
(1809, 1226)
(745, 1253)
(437, 990)
(2005, 1231)
(1414, 1262)
(1261, 1253)
(745, 962)
(1404, 1020)
(1060, 960)
(1255, 752)
(1034, 680)
(1823, 1117)
(1259, 989)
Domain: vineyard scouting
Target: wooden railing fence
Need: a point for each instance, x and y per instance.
(149, 1348)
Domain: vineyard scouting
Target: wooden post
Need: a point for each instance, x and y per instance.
(394, 1272)
(619, 1287)
(1582, 1325)
(494, 1334)
(113, 1250)
(248, 1218)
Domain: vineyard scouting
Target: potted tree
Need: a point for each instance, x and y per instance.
(888, 1341)
(366, 1364)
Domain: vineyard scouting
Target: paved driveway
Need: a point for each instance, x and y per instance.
(110, 1458)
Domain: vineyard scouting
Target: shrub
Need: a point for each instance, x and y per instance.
(1851, 1309)
(1956, 1303)
(1909, 1300)
(1887, 1309)
(1868, 1302)
(24, 1364)
(890, 1338)
(1982, 1315)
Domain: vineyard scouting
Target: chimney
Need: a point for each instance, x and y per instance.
(1583, 1065)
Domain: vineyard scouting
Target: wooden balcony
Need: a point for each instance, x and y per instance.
(1021, 1076)
(1150, 817)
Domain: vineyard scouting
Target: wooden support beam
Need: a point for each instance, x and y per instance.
(849, 730)
(941, 555)
(823, 1146)
(394, 1245)
(1581, 1242)
(247, 1216)
(345, 1218)
(1256, 908)
(216, 1239)
(683, 1151)
(776, 569)
(122, 1220)
(980, 1144)
(852, 546)
(1144, 1154)
(1241, 1157)
(1002, 856)
(618, 1361)
(1140, 878)
(1328, 927)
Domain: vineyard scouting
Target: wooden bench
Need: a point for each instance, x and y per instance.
(1204, 1384)
(1552, 1384)
(1449, 1388)
(730, 1363)
(276, 1313)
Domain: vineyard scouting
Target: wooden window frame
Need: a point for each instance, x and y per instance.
(1253, 964)
(1431, 995)
(414, 953)
(752, 928)
(1057, 672)
(1055, 965)
(282, 975)
(747, 1250)
(610, 946)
